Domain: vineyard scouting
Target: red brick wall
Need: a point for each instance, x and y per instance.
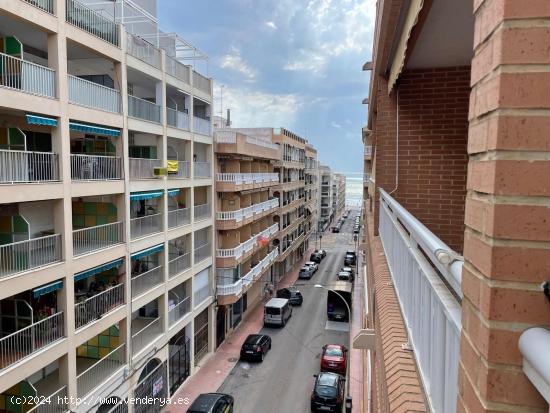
(433, 159)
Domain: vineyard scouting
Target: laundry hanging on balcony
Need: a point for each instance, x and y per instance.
(262, 240)
(99, 269)
(41, 120)
(173, 192)
(141, 196)
(93, 129)
(37, 292)
(146, 252)
(172, 166)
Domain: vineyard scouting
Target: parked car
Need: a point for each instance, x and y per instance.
(322, 252)
(315, 257)
(336, 229)
(328, 392)
(356, 230)
(313, 265)
(333, 358)
(349, 259)
(292, 294)
(212, 403)
(277, 311)
(350, 270)
(255, 347)
(305, 273)
(344, 276)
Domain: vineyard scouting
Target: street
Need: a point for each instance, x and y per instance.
(283, 382)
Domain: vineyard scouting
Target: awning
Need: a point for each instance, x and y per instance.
(96, 130)
(173, 192)
(146, 252)
(140, 196)
(41, 120)
(37, 292)
(99, 269)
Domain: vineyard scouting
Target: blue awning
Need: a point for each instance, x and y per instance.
(41, 120)
(148, 251)
(140, 196)
(173, 192)
(96, 130)
(99, 269)
(37, 292)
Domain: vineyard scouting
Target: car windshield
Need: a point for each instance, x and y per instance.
(333, 352)
(326, 391)
(272, 311)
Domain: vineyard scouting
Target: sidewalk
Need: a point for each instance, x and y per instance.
(357, 356)
(212, 374)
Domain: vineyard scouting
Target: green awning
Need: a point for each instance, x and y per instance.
(173, 192)
(41, 120)
(146, 252)
(96, 130)
(37, 292)
(140, 196)
(99, 269)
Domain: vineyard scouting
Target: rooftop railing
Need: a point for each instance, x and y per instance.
(143, 50)
(92, 95)
(26, 76)
(91, 239)
(24, 167)
(29, 254)
(201, 82)
(177, 69)
(92, 22)
(143, 109)
(95, 168)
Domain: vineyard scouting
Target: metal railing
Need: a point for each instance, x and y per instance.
(177, 119)
(202, 252)
(261, 142)
(179, 217)
(533, 345)
(24, 166)
(225, 136)
(146, 225)
(179, 264)
(201, 212)
(29, 254)
(54, 403)
(202, 126)
(95, 307)
(200, 82)
(179, 311)
(419, 261)
(90, 94)
(202, 169)
(143, 50)
(95, 168)
(91, 239)
(177, 69)
(143, 109)
(16, 73)
(146, 335)
(141, 283)
(99, 372)
(92, 22)
(23, 343)
(184, 171)
(201, 294)
(142, 168)
(46, 5)
(247, 178)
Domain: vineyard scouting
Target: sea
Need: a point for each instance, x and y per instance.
(354, 189)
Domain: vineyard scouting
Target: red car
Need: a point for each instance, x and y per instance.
(333, 358)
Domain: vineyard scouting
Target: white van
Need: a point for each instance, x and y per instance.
(277, 311)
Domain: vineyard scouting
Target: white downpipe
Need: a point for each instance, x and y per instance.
(396, 146)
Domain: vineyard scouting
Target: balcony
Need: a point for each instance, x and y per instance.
(201, 295)
(143, 109)
(52, 403)
(202, 252)
(25, 167)
(46, 5)
(178, 311)
(29, 254)
(179, 264)
(427, 278)
(92, 95)
(95, 168)
(93, 308)
(29, 340)
(202, 212)
(143, 50)
(177, 119)
(368, 152)
(141, 283)
(92, 22)
(202, 83)
(141, 168)
(239, 217)
(27, 77)
(182, 172)
(179, 218)
(148, 330)
(146, 225)
(177, 69)
(232, 182)
(202, 126)
(100, 371)
(231, 142)
(248, 245)
(87, 240)
(202, 169)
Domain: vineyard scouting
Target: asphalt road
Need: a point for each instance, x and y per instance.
(282, 383)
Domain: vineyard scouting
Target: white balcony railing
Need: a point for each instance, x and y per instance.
(177, 69)
(177, 119)
(95, 168)
(202, 252)
(95, 307)
(179, 264)
(23, 343)
(178, 311)
(26, 76)
(202, 126)
(247, 178)
(29, 254)
(23, 166)
(142, 168)
(91, 239)
(54, 403)
(183, 172)
(92, 95)
(201, 212)
(91, 21)
(248, 212)
(419, 262)
(146, 335)
(179, 217)
(143, 50)
(533, 345)
(230, 289)
(202, 83)
(201, 294)
(146, 225)
(143, 109)
(141, 283)
(101, 371)
(46, 5)
(202, 169)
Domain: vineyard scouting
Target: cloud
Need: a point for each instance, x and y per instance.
(271, 24)
(335, 125)
(234, 61)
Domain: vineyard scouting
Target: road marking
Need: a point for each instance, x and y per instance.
(337, 326)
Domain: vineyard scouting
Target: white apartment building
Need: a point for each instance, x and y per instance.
(325, 185)
(106, 218)
(338, 193)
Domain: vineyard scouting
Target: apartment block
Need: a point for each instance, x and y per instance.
(106, 206)
(456, 208)
(312, 200)
(338, 194)
(326, 188)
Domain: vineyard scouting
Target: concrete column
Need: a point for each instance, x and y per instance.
(506, 247)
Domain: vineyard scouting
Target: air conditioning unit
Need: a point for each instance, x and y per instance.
(160, 171)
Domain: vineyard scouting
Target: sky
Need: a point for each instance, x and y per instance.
(286, 63)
